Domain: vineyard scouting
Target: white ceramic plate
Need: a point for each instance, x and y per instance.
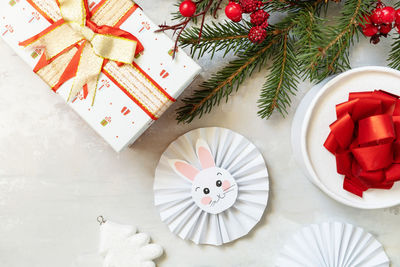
(310, 129)
(211, 186)
(333, 245)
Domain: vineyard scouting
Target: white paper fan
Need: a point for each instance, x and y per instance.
(211, 186)
(333, 245)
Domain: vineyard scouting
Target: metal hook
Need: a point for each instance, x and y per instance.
(101, 220)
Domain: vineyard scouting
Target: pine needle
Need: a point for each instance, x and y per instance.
(329, 49)
(282, 80)
(394, 56)
(222, 84)
(229, 37)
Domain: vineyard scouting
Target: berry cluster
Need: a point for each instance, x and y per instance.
(250, 6)
(258, 17)
(380, 22)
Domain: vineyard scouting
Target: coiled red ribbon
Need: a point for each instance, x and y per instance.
(365, 140)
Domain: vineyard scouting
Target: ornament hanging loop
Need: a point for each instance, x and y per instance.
(101, 220)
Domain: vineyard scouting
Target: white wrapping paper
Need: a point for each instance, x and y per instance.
(114, 115)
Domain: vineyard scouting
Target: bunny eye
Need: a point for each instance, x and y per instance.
(218, 183)
(219, 173)
(206, 191)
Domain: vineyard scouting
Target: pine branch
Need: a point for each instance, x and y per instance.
(394, 56)
(201, 6)
(180, 27)
(302, 36)
(329, 49)
(278, 89)
(228, 36)
(282, 80)
(294, 5)
(307, 30)
(223, 83)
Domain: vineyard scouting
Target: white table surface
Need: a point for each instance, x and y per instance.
(57, 175)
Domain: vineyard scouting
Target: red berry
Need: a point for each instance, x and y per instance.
(187, 8)
(365, 21)
(250, 6)
(265, 24)
(370, 30)
(385, 28)
(388, 14)
(257, 18)
(397, 17)
(234, 11)
(257, 34)
(376, 16)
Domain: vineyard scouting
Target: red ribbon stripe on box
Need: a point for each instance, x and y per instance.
(104, 19)
(365, 140)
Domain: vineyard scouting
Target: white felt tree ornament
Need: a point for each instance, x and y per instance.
(122, 246)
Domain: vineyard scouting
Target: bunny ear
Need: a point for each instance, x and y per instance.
(204, 154)
(184, 169)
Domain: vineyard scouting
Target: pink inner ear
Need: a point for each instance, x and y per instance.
(205, 157)
(186, 170)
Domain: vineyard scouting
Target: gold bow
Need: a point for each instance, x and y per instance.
(85, 45)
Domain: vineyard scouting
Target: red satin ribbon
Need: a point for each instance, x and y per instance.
(115, 31)
(365, 140)
(104, 29)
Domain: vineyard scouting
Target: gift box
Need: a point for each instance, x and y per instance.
(332, 169)
(103, 58)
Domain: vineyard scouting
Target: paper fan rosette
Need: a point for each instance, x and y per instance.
(211, 186)
(333, 244)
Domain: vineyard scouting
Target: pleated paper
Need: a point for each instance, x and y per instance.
(211, 186)
(333, 245)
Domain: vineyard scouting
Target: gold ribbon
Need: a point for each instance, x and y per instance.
(95, 45)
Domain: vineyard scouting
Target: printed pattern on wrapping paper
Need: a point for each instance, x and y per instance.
(49, 9)
(142, 90)
(125, 119)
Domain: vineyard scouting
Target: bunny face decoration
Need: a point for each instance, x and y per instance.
(214, 190)
(211, 186)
